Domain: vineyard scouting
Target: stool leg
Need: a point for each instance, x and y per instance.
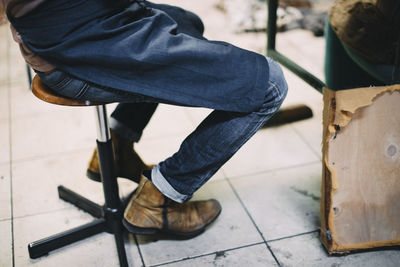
(113, 207)
(81, 202)
(29, 74)
(42, 247)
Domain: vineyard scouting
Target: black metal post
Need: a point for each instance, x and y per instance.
(273, 53)
(28, 72)
(271, 25)
(112, 207)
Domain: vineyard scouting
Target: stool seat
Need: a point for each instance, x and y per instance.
(43, 92)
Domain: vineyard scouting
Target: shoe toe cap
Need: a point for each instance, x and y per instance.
(209, 210)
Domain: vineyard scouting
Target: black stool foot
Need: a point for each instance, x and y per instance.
(44, 246)
(81, 202)
(110, 221)
(119, 241)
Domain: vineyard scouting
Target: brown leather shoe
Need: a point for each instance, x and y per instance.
(149, 212)
(128, 164)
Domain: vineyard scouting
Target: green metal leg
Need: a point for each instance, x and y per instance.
(271, 51)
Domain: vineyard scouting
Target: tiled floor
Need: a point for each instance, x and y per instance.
(269, 190)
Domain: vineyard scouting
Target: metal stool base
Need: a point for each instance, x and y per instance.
(109, 216)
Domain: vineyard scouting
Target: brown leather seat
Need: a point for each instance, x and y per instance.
(41, 91)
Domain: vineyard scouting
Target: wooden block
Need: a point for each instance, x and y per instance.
(360, 201)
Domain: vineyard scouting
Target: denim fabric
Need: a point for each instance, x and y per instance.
(206, 149)
(139, 57)
(156, 51)
(215, 141)
(130, 119)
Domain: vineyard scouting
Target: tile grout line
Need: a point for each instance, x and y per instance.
(292, 236)
(5, 219)
(45, 212)
(10, 150)
(307, 143)
(206, 254)
(254, 223)
(140, 252)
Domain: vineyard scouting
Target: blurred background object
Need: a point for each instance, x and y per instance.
(2, 15)
(251, 15)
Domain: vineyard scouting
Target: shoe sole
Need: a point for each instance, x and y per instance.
(153, 231)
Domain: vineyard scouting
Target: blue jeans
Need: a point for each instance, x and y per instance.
(205, 150)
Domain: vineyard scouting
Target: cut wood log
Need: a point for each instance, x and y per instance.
(360, 203)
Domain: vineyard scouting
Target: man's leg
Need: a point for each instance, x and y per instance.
(127, 123)
(129, 119)
(188, 22)
(155, 205)
(244, 85)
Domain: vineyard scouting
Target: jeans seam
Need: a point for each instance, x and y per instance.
(277, 91)
(82, 91)
(281, 95)
(60, 84)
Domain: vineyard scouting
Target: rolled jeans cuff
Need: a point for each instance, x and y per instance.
(124, 131)
(165, 188)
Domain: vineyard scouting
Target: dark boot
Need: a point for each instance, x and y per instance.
(150, 212)
(128, 164)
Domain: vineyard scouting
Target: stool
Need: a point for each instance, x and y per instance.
(109, 216)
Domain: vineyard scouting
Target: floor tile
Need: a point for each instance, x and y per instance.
(299, 91)
(4, 102)
(306, 250)
(282, 203)
(268, 149)
(232, 229)
(35, 182)
(309, 129)
(5, 196)
(197, 115)
(156, 150)
(98, 250)
(17, 65)
(4, 141)
(25, 105)
(168, 121)
(296, 45)
(4, 29)
(5, 243)
(53, 132)
(260, 256)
